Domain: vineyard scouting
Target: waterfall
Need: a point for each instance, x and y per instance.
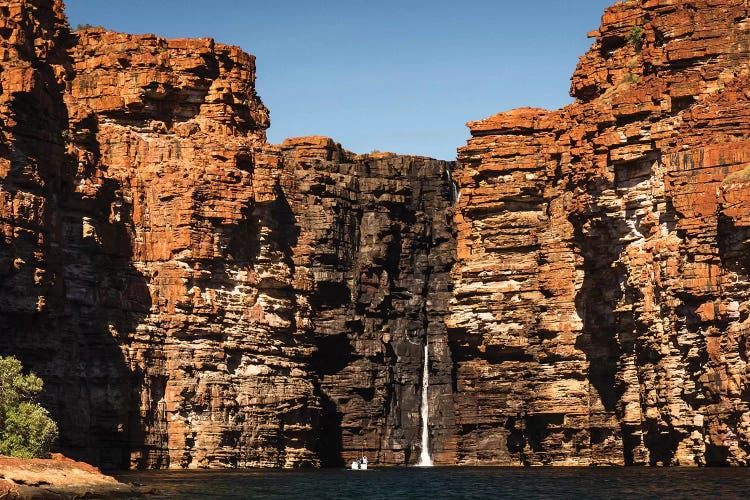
(455, 193)
(424, 411)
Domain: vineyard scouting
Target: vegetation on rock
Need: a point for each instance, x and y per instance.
(739, 176)
(635, 37)
(26, 429)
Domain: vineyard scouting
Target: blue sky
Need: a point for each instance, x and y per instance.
(392, 75)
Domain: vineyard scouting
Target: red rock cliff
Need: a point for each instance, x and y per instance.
(192, 296)
(139, 281)
(600, 310)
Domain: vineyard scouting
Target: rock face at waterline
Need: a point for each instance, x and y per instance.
(372, 252)
(58, 478)
(194, 297)
(601, 308)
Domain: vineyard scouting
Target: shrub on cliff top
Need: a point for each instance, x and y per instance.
(26, 429)
(87, 26)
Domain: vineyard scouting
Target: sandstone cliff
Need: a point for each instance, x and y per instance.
(191, 295)
(195, 297)
(59, 477)
(600, 310)
(374, 248)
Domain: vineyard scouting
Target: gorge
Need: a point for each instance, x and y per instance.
(574, 287)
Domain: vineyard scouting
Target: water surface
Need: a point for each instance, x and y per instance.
(450, 482)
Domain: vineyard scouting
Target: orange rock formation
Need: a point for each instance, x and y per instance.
(194, 297)
(600, 308)
(59, 477)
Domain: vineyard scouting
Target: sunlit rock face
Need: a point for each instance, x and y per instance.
(143, 281)
(600, 305)
(192, 296)
(195, 297)
(212, 358)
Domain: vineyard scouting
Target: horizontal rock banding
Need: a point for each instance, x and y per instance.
(194, 297)
(601, 287)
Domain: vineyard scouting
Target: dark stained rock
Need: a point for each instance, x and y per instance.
(375, 248)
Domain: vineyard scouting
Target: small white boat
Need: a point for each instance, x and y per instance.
(360, 464)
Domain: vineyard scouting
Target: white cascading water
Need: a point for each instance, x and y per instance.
(424, 456)
(455, 193)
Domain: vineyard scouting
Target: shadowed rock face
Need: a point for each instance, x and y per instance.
(600, 308)
(374, 252)
(194, 297)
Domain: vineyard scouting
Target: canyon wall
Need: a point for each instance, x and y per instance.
(195, 297)
(600, 310)
(192, 296)
(374, 249)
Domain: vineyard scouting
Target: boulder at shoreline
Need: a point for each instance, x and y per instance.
(57, 477)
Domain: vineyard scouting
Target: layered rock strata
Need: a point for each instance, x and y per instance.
(194, 297)
(191, 296)
(169, 132)
(374, 252)
(600, 309)
(142, 285)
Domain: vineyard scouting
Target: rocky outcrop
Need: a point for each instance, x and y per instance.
(192, 296)
(59, 477)
(374, 248)
(600, 307)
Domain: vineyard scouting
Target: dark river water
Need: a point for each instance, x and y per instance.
(449, 482)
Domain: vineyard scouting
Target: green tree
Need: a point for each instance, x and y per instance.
(26, 429)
